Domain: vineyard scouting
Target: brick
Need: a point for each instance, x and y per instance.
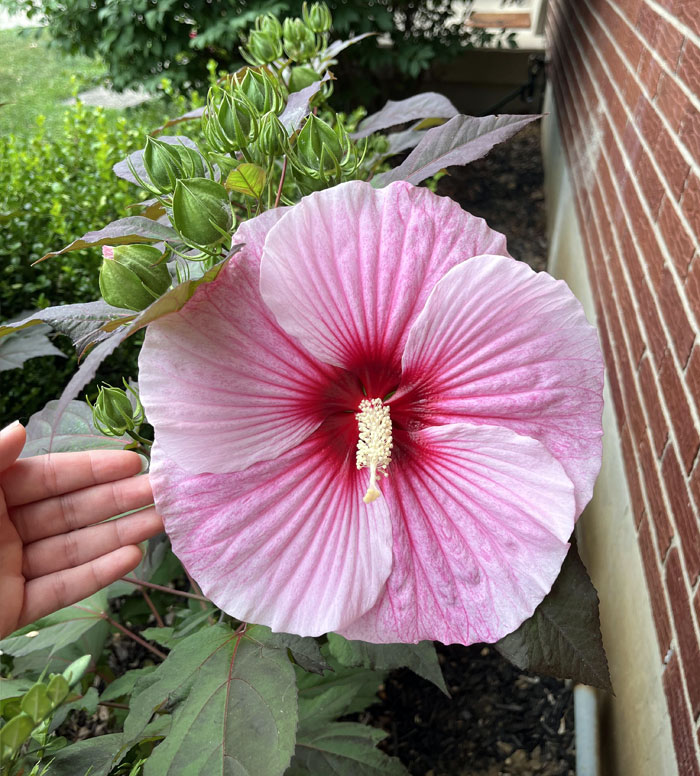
(695, 485)
(651, 482)
(647, 24)
(632, 471)
(672, 101)
(690, 200)
(692, 371)
(689, 66)
(652, 403)
(649, 73)
(673, 166)
(685, 629)
(687, 524)
(687, 13)
(680, 330)
(645, 237)
(692, 286)
(681, 722)
(668, 43)
(630, 316)
(650, 184)
(655, 586)
(613, 377)
(690, 131)
(679, 412)
(679, 242)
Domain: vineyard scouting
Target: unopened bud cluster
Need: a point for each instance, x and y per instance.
(114, 413)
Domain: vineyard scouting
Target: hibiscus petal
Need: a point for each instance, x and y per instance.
(287, 543)
(500, 344)
(481, 521)
(221, 382)
(347, 270)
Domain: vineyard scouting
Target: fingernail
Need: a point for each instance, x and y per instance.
(144, 464)
(10, 428)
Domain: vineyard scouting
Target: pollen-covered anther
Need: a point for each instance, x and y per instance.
(374, 444)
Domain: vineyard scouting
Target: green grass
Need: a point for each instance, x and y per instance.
(35, 79)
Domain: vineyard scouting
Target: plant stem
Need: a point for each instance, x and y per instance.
(164, 589)
(113, 705)
(152, 607)
(279, 188)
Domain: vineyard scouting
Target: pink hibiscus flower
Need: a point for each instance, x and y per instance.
(375, 422)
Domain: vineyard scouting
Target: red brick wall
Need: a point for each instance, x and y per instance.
(626, 82)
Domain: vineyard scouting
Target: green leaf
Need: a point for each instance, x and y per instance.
(304, 649)
(74, 431)
(125, 231)
(234, 707)
(248, 179)
(343, 749)
(15, 732)
(58, 689)
(336, 692)
(562, 638)
(37, 703)
(96, 756)
(420, 658)
(57, 640)
(124, 685)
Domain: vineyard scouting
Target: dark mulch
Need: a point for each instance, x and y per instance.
(499, 720)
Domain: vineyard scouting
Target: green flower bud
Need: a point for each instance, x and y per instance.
(302, 76)
(261, 90)
(273, 140)
(318, 145)
(201, 211)
(299, 41)
(133, 276)
(166, 163)
(269, 24)
(231, 122)
(317, 18)
(113, 412)
(262, 47)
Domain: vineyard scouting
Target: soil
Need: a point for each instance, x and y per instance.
(500, 720)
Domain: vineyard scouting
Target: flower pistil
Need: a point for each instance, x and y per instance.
(374, 443)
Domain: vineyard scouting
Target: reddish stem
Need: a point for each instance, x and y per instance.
(279, 188)
(163, 589)
(152, 607)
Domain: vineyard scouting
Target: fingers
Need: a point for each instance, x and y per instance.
(11, 443)
(44, 476)
(50, 593)
(62, 514)
(46, 556)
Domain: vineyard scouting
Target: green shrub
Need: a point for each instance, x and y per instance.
(52, 190)
(141, 40)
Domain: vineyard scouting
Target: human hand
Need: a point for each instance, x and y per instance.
(54, 549)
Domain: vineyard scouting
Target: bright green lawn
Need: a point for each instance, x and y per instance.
(36, 78)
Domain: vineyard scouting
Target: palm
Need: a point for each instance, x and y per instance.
(54, 547)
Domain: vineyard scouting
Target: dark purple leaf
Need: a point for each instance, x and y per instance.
(125, 231)
(462, 140)
(298, 104)
(428, 105)
(26, 344)
(562, 638)
(122, 169)
(81, 322)
(340, 45)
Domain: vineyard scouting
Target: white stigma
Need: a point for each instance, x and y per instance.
(374, 445)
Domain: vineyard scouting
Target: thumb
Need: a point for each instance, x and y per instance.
(12, 440)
